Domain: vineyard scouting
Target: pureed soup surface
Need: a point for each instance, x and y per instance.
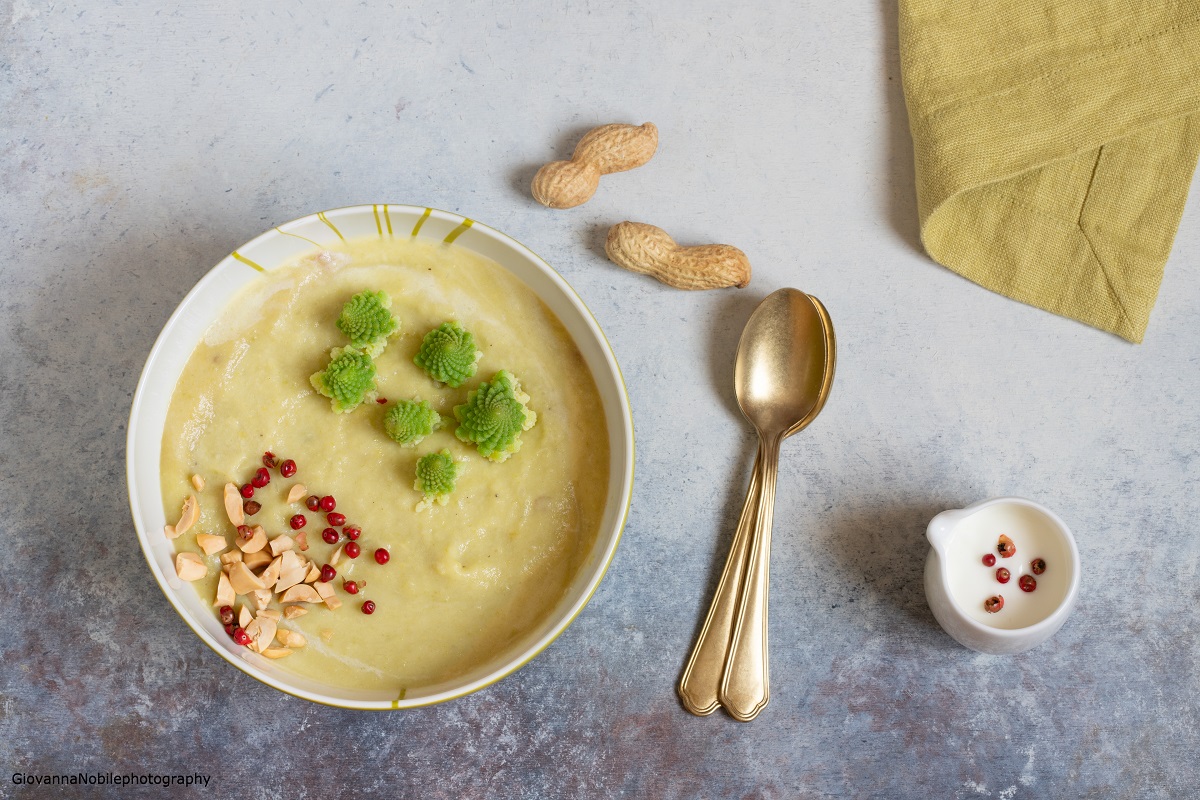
(465, 580)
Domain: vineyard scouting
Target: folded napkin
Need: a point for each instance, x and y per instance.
(1055, 142)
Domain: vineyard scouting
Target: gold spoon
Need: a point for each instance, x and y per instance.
(704, 685)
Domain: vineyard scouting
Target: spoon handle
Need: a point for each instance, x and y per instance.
(745, 688)
(702, 676)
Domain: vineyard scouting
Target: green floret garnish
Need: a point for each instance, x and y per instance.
(494, 416)
(367, 322)
(410, 421)
(448, 354)
(348, 380)
(436, 475)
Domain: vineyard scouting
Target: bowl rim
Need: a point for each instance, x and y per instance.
(1052, 620)
(624, 410)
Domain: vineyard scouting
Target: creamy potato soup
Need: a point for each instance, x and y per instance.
(464, 580)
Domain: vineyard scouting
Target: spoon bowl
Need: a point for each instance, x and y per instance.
(779, 373)
(781, 359)
(830, 367)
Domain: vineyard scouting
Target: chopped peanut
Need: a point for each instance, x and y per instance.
(301, 593)
(281, 543)
(262, 598)
(225, 594)
(291, 572)
(262, 632)
(256, 542)
(271, 574)
(189, 515)
(233, 504)
(325, 590)
(256, 560)
(243, 580)
(190, 567)
(211, 544)
(290, 638)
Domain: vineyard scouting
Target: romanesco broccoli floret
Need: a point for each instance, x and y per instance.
(410, 421)
(348, 380)
(365, 319)
(494, 416)
(448, 354)
(436, 475)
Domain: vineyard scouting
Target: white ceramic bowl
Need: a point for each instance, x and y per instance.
(955, 620)
(273, 249)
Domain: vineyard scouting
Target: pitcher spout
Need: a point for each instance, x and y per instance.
(940, 528)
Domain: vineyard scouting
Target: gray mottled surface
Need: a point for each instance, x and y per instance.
(142, 141)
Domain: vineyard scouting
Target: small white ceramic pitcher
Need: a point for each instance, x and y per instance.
(962, 626)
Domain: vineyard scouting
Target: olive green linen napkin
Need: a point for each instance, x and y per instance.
(1054, 144)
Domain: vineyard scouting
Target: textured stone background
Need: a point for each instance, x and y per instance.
(143, 141)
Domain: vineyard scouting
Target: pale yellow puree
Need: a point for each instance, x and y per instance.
(465, 580)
